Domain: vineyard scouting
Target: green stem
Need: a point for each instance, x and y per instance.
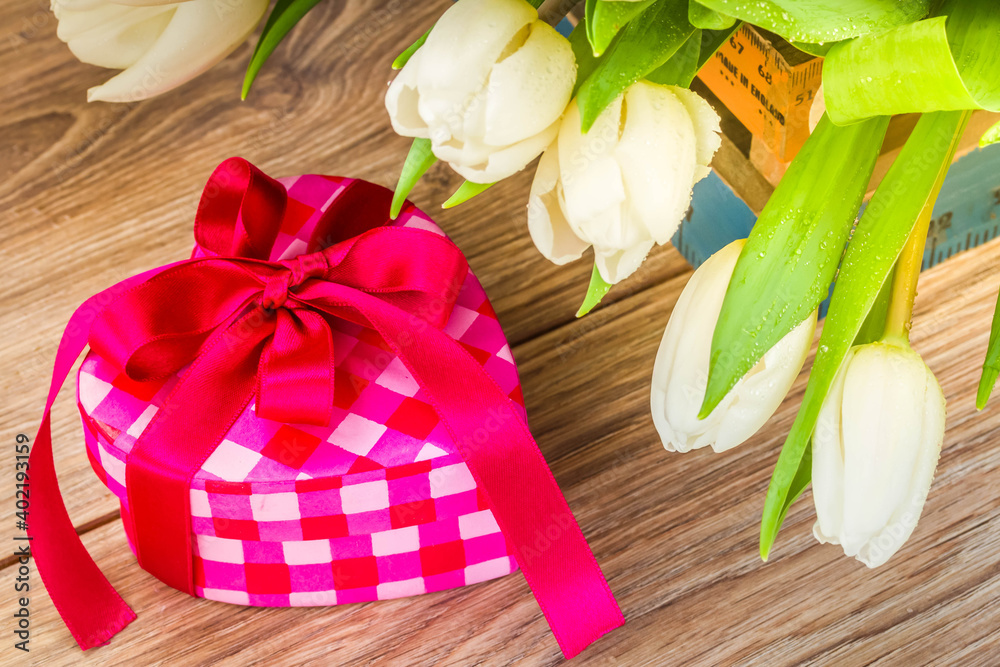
(904, 281)
(911, 258)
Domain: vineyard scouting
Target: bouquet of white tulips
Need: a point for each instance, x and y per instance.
(872, 422)
(622, 141)
(622, 138)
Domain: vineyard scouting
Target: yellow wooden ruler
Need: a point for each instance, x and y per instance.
(768, 95)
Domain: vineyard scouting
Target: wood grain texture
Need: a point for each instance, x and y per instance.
(92, 193)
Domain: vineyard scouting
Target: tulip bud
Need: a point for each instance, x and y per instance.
(875, 448)
(158, 44)
(680, 373)
(626, 184)
(487, 88)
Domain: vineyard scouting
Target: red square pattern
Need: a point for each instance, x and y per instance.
(324, 527)
(441, 558)
(355, 572)
(268, 578)
(411, 514)
(482, 356)
(414, 418)
(236, 529)
(346, 389)
(290, 447)
(296, 215)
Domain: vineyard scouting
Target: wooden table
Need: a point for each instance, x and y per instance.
(91, 193)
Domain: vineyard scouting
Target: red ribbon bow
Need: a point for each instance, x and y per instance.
(249, 329)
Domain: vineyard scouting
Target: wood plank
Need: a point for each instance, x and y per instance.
(676, 534)
(92, 193)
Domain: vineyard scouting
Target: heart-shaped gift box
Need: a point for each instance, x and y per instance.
(319, 407)
(380, 491)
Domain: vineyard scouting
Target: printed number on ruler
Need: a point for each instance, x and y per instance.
(769, 96)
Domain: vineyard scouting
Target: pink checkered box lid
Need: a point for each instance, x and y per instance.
(383, 426)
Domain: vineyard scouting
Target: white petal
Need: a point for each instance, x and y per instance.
(657, 157)
(200, 34)
(60, 6)
(707, 129)
(617, 265)
(401, 100)
(529, 90)
(906, 514)
(472, 155)
(759, 393)
(146, 3)
(882, 417)
(590, 175)
(828, 462)
(680, 371)
(112, 35)
(484, 164)
(468, 39)
(547, 225)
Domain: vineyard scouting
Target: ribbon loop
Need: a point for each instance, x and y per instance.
(240, 211)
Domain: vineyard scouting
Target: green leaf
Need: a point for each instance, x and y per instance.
(682, 67)
(418, 160)
(595, 292)
(711, 40)
(791, 255)
(931, 65)
(405, 56)
(283, 17)
(991, 136)
(586, 61)
(604, 18)
(799, 482)
(466, 191)
(818, 50)
(870, 332)
(906, 193)
(991, 366)
(874, 324)
(987, 380)
(645, 44)
(701, 16)
(818, 21)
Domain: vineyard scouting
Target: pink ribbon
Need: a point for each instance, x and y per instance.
(250, 329)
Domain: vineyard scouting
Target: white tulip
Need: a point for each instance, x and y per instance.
(626, 184)
(487, 88)
(158, 44)
(875, 448)
(680, 372)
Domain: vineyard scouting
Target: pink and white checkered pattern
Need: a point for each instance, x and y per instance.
(377, 504)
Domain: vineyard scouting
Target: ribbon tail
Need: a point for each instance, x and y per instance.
(194, 419)
(88, 604)
(511, 472)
